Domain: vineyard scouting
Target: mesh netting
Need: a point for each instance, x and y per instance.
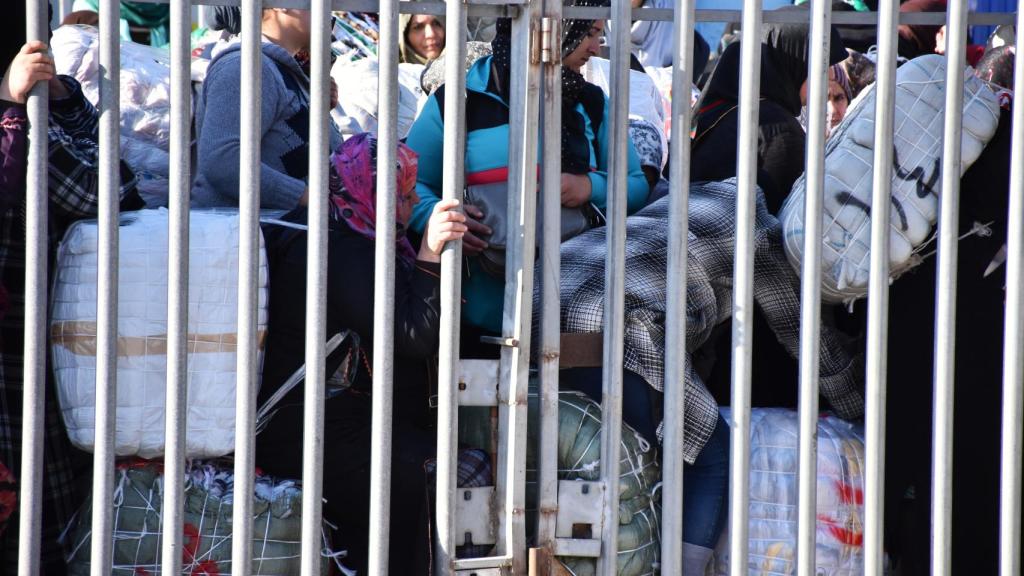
(138, 499)
(579, 458)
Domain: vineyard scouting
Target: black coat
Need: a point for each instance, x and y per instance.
(781, 139)
(350, 285)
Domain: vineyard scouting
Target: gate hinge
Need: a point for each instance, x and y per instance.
(549, 39)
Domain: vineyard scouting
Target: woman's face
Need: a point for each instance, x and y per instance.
(406, 202)
(425, 35)
(837, 103)
(590, 46)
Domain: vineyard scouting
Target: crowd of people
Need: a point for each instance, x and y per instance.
(426, 223)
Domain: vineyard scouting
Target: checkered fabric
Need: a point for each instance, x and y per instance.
(708, 299)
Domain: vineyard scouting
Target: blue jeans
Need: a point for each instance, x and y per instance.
(705, 482)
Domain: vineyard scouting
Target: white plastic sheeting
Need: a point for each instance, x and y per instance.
(774, 465)
(917, 143)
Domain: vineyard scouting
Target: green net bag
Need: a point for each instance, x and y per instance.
(206, 549)
(579, 457)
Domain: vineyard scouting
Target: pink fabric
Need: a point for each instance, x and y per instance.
(354, 198)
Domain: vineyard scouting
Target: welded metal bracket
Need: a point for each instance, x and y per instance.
(474, 516)
(580, 519)
(478, 382)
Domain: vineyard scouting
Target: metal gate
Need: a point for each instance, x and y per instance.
(535, 95)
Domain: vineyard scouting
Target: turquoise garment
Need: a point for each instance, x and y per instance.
(487, 161)
(156, 17)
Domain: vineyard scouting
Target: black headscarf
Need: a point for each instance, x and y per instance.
(784, 57)
(575, 89)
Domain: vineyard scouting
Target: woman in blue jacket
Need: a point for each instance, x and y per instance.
(584, 150)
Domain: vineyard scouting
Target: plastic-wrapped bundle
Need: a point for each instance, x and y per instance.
(774, 466)
(206, 549)
(361, 105)
(145, 100)
(142, 332)
(916, 180)
(645, 99)
(579, 458)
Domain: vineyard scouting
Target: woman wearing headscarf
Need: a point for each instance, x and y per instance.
(780, 138)
(584, 150)
(422, 38)
(350, 304)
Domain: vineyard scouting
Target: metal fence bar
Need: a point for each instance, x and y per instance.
(675, 310)
(453, 177)
(551, 272)
(248, 279)
(945, 294)
(878, 290)
(524, 85)
(384, 291)
(30, 482)
(316, 289)
(106, 289)
(743, 289)
(1013, 348)
(179, 187)
(614, 285)
(810, 299)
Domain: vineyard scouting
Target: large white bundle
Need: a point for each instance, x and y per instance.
(916, 181)
(357, 93)
(774, 465)
(145, 100)
(142, 332)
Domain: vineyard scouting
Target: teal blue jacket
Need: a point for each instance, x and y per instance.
(487, 161)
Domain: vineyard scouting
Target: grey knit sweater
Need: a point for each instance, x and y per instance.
(284, 144)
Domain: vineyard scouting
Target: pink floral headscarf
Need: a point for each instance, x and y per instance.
(353, 197)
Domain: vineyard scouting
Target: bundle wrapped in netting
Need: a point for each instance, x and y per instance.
(774, 467)
(579, 458)
(206, 549)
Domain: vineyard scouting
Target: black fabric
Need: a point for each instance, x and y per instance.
(350, 285)
(978, 381)
(296, 160)
(13, 37)
(484, 111)
(781, 139)
(346, 477)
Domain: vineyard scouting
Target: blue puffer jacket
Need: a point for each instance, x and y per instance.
(487, 161)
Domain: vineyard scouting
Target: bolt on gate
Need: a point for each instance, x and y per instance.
(535, 116)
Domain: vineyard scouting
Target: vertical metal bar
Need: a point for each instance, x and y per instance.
(614, 283)
(810, 300)
(945, 293)
(878, 288)
(65, 9)
(36, 259)
(316, 289)
(106, 290)
(1013, 348)
(551, 266)
(524, 88)
(248, 279)
(743, 286)
(675, 311)
(453, 178)
(384, 290)
(177, 291)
